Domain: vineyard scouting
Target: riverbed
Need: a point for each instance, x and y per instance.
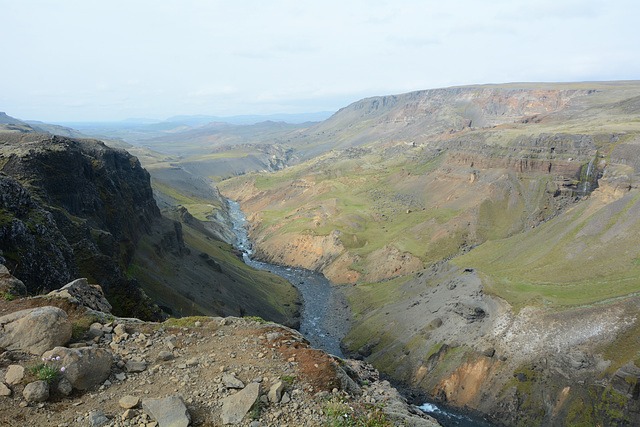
(325, 319)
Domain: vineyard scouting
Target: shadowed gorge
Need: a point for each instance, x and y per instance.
(76, 207)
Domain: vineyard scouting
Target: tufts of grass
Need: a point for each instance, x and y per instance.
(80, 327)
(257, 319)
(340, 413)
(288, 379)
(6, 296)
(185, 322)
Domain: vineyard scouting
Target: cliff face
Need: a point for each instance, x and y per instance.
(73, 207)
(76, 207)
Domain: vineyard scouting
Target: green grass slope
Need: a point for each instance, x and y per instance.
(587, 255)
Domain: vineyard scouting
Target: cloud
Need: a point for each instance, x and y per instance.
(150, 57)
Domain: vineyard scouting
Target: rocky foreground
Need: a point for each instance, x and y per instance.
(203, 371)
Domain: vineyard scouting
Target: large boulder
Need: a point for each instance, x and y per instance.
(85, 367)
(81, 292)
(35, 330)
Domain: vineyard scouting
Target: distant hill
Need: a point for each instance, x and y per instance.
(199, 120)
(11, 124)
(55, 129)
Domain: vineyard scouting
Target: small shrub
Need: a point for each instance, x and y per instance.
(6, 296)
(288, 379)
(49, 370)
(256, 319)
(81, 327)
(256, 409)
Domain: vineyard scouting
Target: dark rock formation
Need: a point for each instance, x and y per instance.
(72, 208)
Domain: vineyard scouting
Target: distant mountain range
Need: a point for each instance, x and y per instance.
(199, 120)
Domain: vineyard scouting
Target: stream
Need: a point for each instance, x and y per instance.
(314, 287)
(315, 324)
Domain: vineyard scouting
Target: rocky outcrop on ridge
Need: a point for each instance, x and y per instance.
(193, 371)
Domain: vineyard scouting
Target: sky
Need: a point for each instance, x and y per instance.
(106, 60)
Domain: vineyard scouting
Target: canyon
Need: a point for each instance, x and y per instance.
(483, 238)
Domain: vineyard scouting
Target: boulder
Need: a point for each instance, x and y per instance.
(168, 412)
(95, 330)
(347, 383)
(37, 391)
(35, 330)
(120, 329)
(84, 367)
(135, 365)
(86, 295)
(10, 284)
(64, 386)
(14, 374)
(231, 381)
(236, 406)
(97, 418)
(275, 392)
(4, 390)
(128, 402)
(165, 355)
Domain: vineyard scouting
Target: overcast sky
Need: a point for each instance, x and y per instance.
(75, 60)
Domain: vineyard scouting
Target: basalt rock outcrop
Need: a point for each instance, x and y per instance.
(73, 207)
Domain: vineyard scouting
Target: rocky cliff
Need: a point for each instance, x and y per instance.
(74, 207)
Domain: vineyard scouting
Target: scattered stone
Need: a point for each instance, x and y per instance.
(198, 324)
(170, 342)
(64, 386)
(275, 392)
(78, 345)
(170, 411)
(135, 365)
(95, 330)
(37, 391)
(236, 406)
(97, 418)
(121, 376)
(14, 374)
(128, 402)
(192, 362)
(84, 367)
(120, 329)
(4, 390)
(35, 330)
(165, 355)
(273, 335)
(231, 381)
(129, 414)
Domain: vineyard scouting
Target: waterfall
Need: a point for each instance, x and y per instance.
(586, 185)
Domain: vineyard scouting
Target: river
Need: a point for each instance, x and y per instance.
(315, 321)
